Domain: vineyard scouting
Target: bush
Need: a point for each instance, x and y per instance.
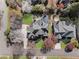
(63, 45)
(74, 42)
(69, 47)
(65, 41)
(6, 32)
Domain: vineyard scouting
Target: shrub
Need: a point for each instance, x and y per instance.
(74, 42)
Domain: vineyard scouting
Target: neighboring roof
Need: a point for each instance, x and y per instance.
(17, 35)
(62, 27)
(26, 6)
(64, 30)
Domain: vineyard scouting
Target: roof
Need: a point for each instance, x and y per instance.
(42, 23)
(64, 30)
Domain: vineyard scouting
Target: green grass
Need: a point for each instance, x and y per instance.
(63, 45)
(23, 57)
(49, 29)
(61, 57)
(53, 57)
(27, 19)
(8, 24)
(39, 44)
(5, 57)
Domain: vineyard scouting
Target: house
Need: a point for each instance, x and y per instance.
(34, 2)
(38, 28)
(64, 29)
(15, 23)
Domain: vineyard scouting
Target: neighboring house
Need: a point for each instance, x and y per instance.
(38, 28)
(29, 1)
(34, 2)
(62, 29)
(26, 6)
(15, 23)
(15, 36)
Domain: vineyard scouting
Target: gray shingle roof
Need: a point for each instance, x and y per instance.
(42, 23)
(62, 29)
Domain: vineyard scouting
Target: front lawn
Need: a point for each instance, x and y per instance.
(39, 44)
(5, 57)
(27, 19)
(9, 57)
(23, 57)
(62, 57)
(53, 57)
